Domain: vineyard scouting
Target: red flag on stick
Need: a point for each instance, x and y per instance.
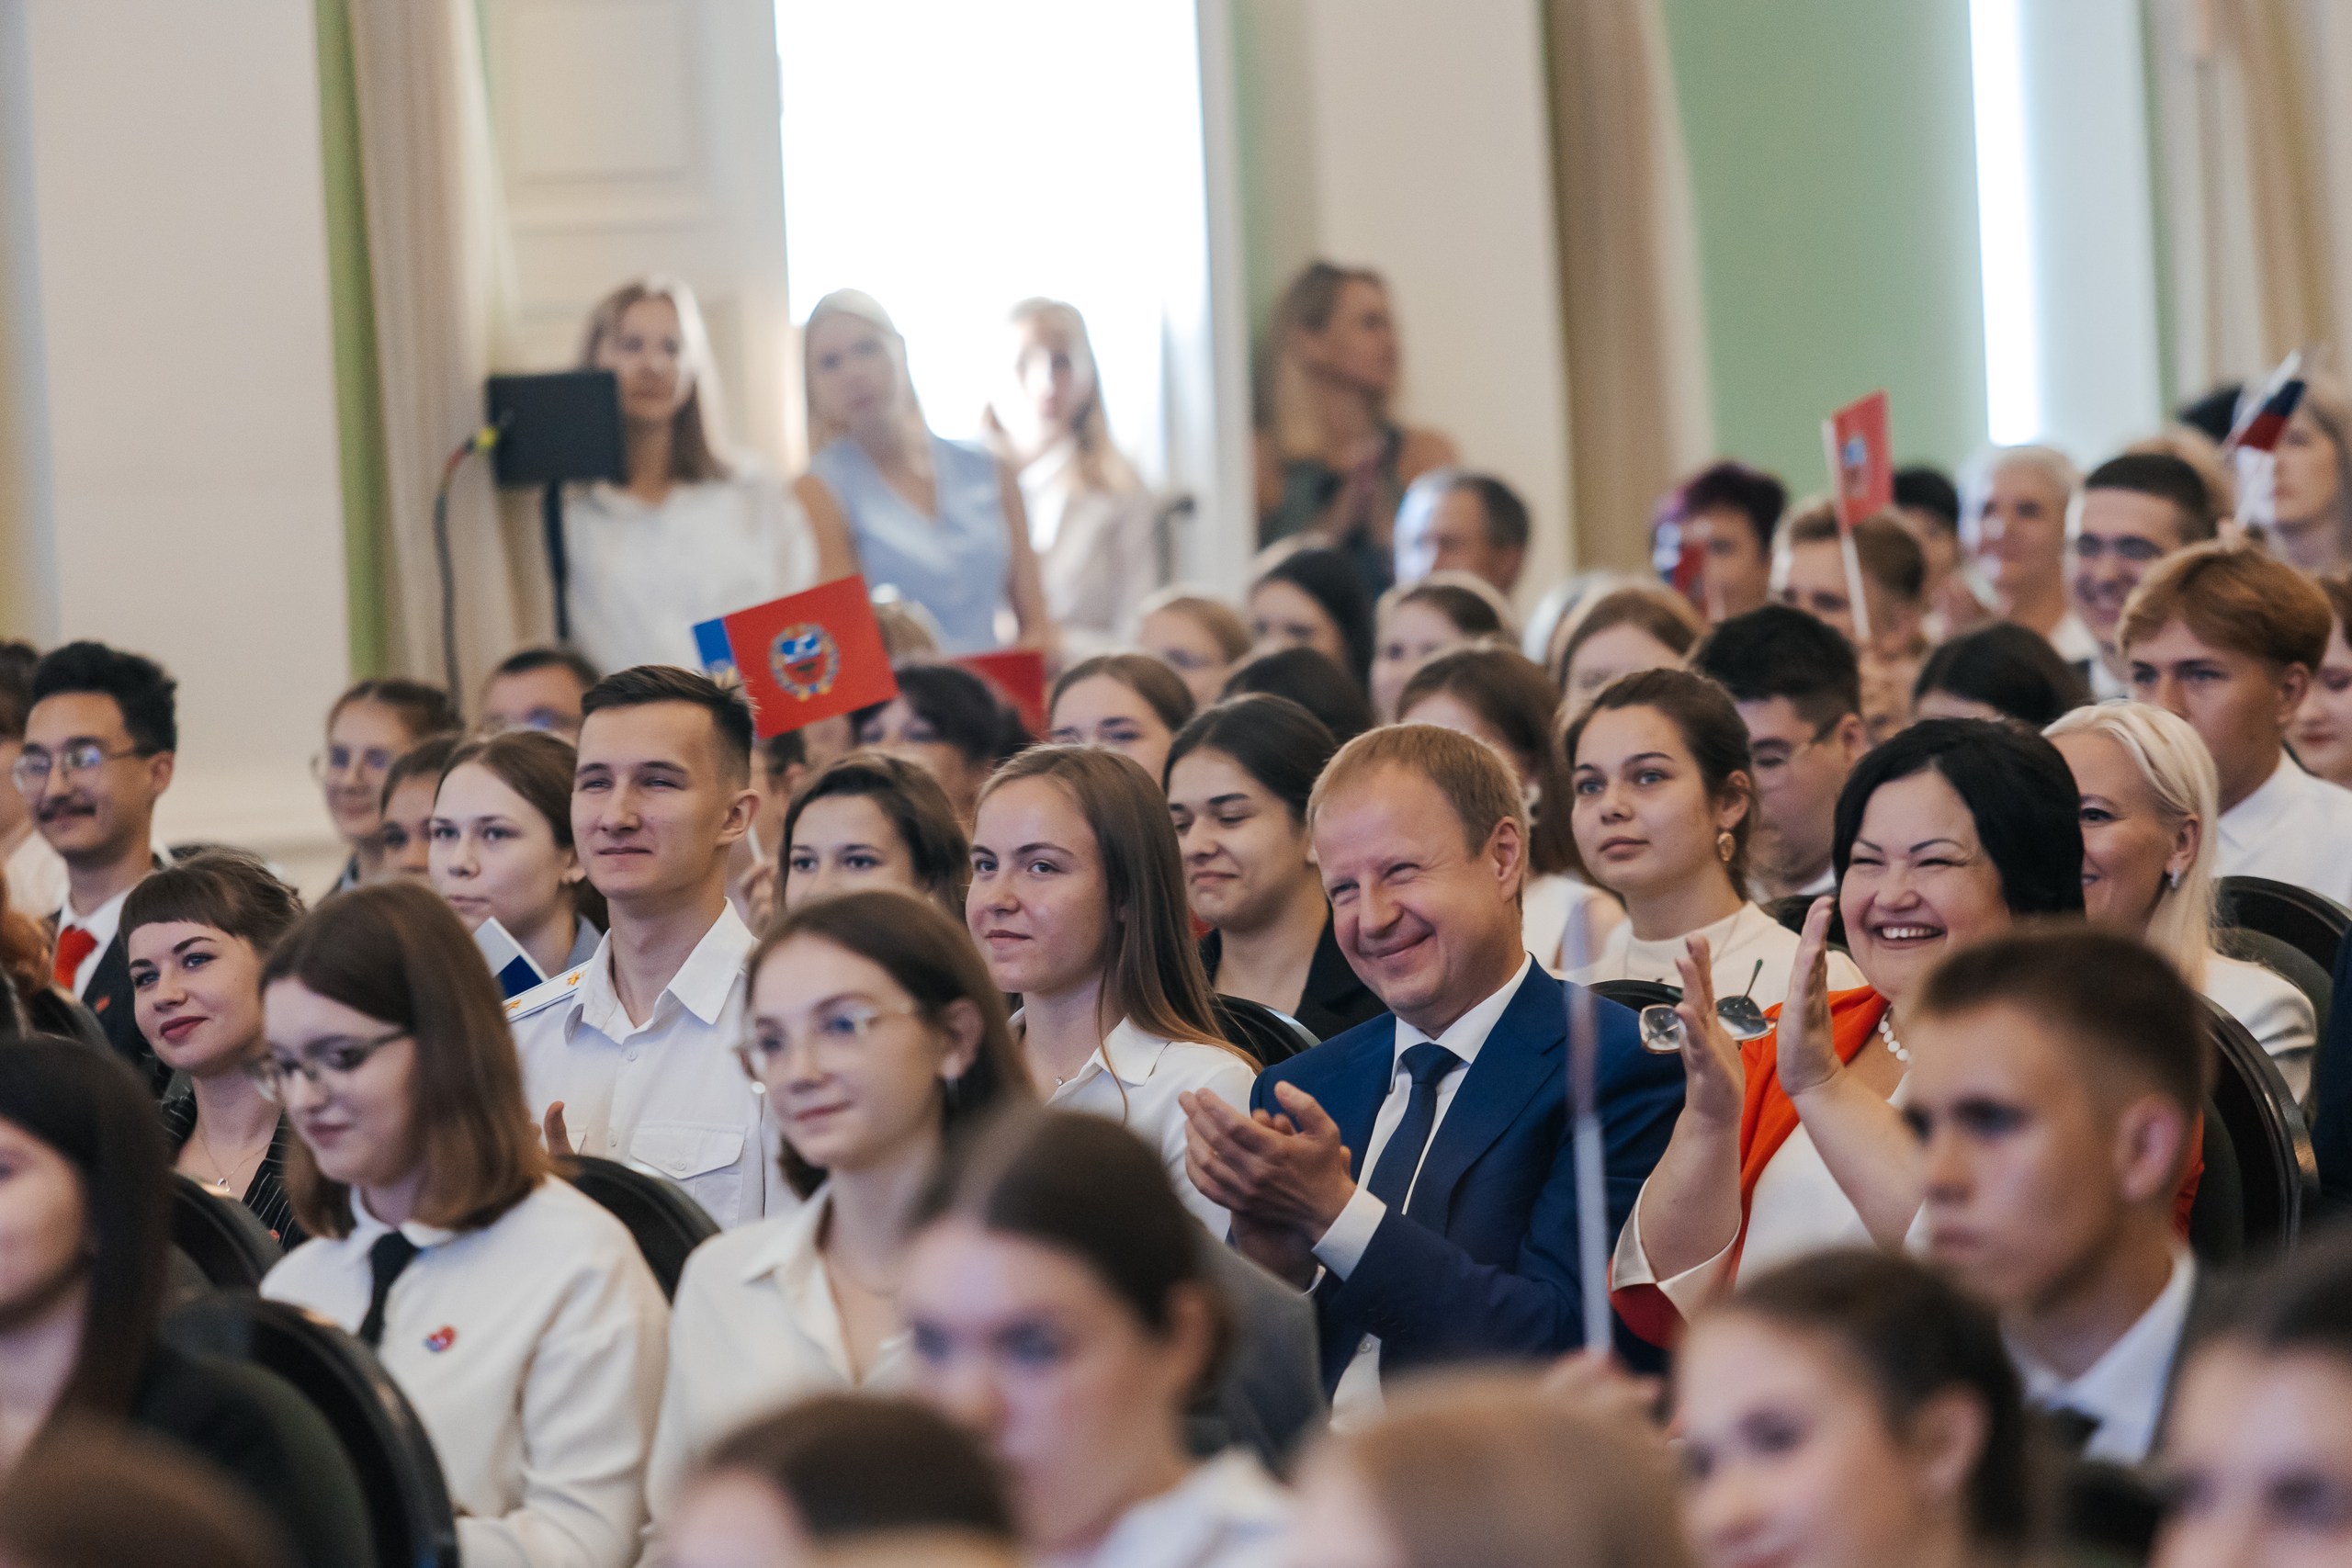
(1862, 459)
(1018, 676)
(804, 656)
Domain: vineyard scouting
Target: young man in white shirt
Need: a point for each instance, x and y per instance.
(2136, 510)
(631, 1057)
(98, 754)
(2056, 1078)
(2227, 638)
(2016, 537)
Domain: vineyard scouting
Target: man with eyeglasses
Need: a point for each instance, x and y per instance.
(2136, 510)
(98, 754)
(1798, 686)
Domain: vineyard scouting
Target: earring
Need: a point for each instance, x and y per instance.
(2172, 880)
(1726, 846)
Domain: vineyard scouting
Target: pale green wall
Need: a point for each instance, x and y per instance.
(1832, 160)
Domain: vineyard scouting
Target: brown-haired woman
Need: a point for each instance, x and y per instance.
(1623, 631)
(1665, 800)
(2322, 731)
(1416, 621)
(516, 1315)
(373, 726)
(500, 847)
(1200, 638)
(876, 1035)
(1078, 905)
(1060, 1312)
(1131, 702)
(1498, 696)
(198, 933)
(694, 532)
(870, 819)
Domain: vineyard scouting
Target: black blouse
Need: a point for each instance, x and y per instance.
(266, 1194)
(1334, 1000)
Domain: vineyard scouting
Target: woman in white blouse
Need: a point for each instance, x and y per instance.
(1063, 1314)
(2149, 789)
(516, 1315)
(1078, 905)
(1665, 799)
(874, 1032)
(694, 532)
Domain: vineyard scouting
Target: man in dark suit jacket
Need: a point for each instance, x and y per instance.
(1416, 1171)
(97, 755)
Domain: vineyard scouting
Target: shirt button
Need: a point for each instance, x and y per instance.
(629, 1054)
(611, 1140)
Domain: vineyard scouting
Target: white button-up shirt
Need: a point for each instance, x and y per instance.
(754, 1327)
(2123, 1391)
(2295, 829)
(1357, 1399)
(1227, 1514)
(532, 1349)
(667, 1096)
(1135, 1080)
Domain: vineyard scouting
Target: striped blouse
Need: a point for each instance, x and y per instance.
(266, 1194)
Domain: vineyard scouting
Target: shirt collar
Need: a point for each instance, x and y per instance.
(2251, 819)
(2124, 1389)
(791, 1246)
(1467, 1034)
(366, 1227)
(1132, 1057)
(102, 923)
(702, 984)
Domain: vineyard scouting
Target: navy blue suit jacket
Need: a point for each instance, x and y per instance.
(1484, 1263)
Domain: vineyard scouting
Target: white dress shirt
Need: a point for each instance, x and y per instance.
(642, 575)
(2295, 829)
(1227, 1513)
(754, 1327)
(2123, 1391)
(2074, 640)
(1139, 1088)
(532, 1349)
(102, 923)
(1356, 1400)
(1096, 555)
(36, 872)
(2277, 1016)
(1736, 943)
(667, 1096)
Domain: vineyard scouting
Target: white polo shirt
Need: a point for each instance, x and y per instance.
(533, 1349)
(667, 1096)
(2295, 829)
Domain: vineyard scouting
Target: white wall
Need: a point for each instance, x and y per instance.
(1415, 138)
(165, 163)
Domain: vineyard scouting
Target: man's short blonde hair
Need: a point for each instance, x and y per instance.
(2231, 597)
(1471, 774)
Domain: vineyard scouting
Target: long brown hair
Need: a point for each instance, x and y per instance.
(395, 951)
(1283, 411)
(1512, 696)
(1151, 967)
(538, 767)
(694, 457)
(931, 958)
(1709, 725)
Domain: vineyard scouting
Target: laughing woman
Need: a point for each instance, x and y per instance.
(1786, 1143)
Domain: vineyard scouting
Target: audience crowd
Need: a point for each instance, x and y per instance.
(1170, 1139)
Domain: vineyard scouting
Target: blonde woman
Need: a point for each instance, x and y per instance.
(693, 532)
(1090, 517)
(2149, 790)
(940, 520)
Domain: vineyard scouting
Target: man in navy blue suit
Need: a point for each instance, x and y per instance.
(1417, 1172)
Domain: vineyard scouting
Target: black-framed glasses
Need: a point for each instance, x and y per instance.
(326, 1065)
(847, 1024)
(34, 765)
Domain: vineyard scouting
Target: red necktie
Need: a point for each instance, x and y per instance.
(73, 944)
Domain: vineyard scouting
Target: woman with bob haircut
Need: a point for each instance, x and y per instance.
(1945, 835)
(1415, 621)
(1056, 1235)
(1665, 800)
(1200, 638)
(516, 1315)
(948, 720)
(85, 1208)
(198, 933)
(874, 820)
(1238, 779)
(1852, 1407)
(1078, 905)
(1128, 702)
(2150, 796)
(877, 1038)
(500, 847)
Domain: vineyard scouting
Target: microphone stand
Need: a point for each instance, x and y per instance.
(480, 440)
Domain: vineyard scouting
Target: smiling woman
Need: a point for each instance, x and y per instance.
(500, 847)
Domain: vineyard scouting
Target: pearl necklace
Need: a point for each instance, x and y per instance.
(1893, 1046)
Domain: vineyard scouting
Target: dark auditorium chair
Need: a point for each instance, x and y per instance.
(2308, 920)
(1265, 1032)
(2217, 1217)
(406, 1504)
(230, 1247)
(664, 1221)
(2275, 1157)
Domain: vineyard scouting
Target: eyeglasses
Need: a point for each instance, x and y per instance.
(33, 767)
(846, 1026)
(1769, 765)
(327, 1065)
(2138, 551)
(342, 759)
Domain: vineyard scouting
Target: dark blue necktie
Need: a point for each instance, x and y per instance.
(1392, 1178)
(387, 1261)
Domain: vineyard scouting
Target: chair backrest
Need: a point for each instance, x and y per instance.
(2311, 922)
(1637, 993)
(1265, 1032)
(407, 1504)
(2287, 960)
(230, 1247)
(2266, 1127)
(665, 1222)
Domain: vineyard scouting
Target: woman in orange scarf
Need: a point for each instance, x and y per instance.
(1793, 1141)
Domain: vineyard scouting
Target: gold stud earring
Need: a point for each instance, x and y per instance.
(1726, 846)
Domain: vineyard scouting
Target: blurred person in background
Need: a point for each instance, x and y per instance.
(2311, 486)
(2016, 534)
(1129, 702)
(1625, 630)
(404, 838)
(35, 872)
(1312, 598)
(1712, 537)
(1809, 573)
(2000, 671)
(537, 688)
(373, 725)
(949, 721)
(1428, 615)
(2322, 731)
(874, 820)
(2136, 510)
(1453, 521)
(1927, 505)
(780, 765)
(1200, 638)
(1313, 681)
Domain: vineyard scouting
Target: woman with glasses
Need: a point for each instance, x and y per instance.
(371, 726)
(876, 1036)
(515, 1315)
(198, 933)
(500, 847)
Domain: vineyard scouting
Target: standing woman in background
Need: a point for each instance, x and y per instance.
(1330, 460)
(2311, 489)
(1090, 518)
(370, 727)
(940, 520)
(694, 532)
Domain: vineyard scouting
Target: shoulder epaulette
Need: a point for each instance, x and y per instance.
(545, 994)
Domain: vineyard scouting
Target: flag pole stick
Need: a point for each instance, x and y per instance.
(1852, 558)
(1584, 1125)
